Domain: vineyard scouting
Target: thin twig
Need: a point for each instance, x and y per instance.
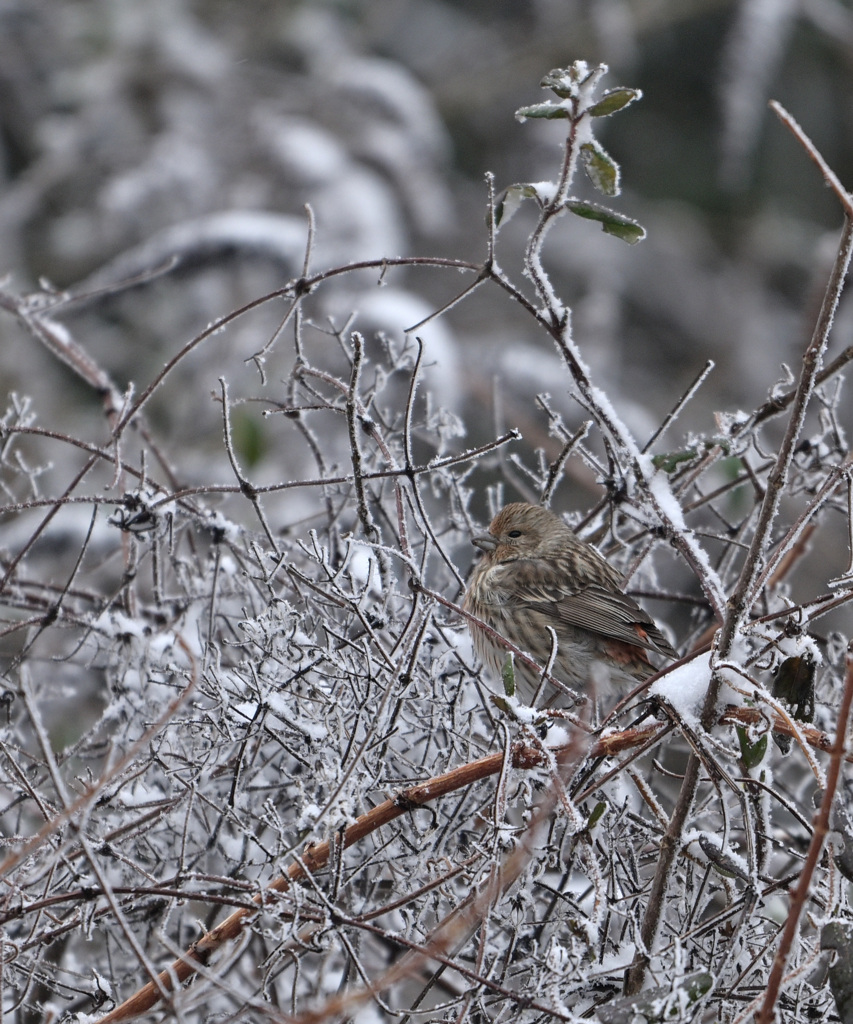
(676, 410)
(247, 489)
(829, 176)
(355, 423)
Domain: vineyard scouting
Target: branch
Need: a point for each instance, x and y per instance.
(316, 856)
(821, 831)
(829, 176)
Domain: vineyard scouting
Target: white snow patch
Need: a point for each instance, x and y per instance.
(362, 566)
(140, 795)
(309, 816)
(557, 736)
(797, 646)
(685, 687)
(230, 530)
(114, 624)
(546, 190)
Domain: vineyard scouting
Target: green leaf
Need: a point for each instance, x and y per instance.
(549, 111)
(601, 169)
(725, 864)
(611, 222)
(596, 814)
(556, 81)
(613, 100)
(696, 985)
(751, 754)
(247, 435)
(510, 201)
(564, 82)
(508, 676)
(670, 461)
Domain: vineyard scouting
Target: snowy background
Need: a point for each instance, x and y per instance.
(130, 131)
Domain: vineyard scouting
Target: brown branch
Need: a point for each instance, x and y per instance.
(453, 931)
(753, 716)
(829, 176)
(315, 857)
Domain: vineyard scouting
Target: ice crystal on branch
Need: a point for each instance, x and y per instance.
(238, 684)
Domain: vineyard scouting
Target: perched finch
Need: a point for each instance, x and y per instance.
(535, 574)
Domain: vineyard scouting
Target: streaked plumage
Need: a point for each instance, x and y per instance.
(536, 573)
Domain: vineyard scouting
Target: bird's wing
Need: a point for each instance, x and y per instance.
(581, 603)
(615, 615)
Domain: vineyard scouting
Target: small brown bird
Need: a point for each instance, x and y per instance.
(535, 574)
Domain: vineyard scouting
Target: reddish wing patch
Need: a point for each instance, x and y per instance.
(633, 659)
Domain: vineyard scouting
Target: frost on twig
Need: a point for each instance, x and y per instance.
(240, 701)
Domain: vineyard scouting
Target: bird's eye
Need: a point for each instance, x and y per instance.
(514, 533)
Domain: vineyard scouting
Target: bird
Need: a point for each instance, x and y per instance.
(536, 575)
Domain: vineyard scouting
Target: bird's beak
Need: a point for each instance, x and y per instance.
(485, 542)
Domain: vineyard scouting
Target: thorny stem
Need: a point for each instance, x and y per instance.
(556, 319)
(740, 603)
(745, 593)
(355, 422)
(818, 841)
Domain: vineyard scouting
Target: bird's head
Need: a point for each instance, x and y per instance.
(521, 530)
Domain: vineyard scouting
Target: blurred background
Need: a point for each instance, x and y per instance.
(129, 132)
